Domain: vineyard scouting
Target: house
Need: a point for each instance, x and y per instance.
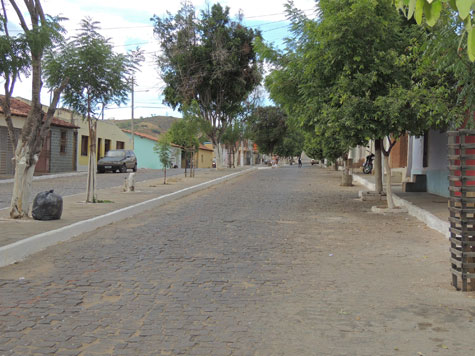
(146, 156)
(109, 136)
(204, 157)
(428, 157)
(419, 162)
(59, 148)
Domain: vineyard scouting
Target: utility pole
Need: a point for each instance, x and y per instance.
(132, 119)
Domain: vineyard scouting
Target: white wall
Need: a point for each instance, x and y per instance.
(438, 150)
(417, 154)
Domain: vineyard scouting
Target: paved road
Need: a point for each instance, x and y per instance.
(77, 184)
(278, 262)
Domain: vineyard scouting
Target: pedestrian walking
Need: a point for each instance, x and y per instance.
(300, 162)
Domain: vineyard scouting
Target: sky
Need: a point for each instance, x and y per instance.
(127, 23)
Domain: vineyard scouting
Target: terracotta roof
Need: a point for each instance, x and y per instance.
(19, 108)
(150, 137)
(203, 147)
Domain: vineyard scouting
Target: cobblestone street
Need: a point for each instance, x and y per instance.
(277, 262)
(76, 184)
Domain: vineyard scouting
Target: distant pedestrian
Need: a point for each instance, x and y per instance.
(300, 162)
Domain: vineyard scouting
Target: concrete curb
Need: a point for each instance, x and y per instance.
(364, 182)
(21, 249)
(49, 176)
(426, 217)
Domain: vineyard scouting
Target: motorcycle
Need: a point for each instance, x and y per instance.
(368, 165)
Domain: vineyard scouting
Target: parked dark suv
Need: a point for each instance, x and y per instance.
(120, 160)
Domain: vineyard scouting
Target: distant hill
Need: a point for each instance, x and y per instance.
(153, 126)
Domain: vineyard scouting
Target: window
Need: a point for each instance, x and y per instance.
(84, 143)
(119, 145)
(63, 141)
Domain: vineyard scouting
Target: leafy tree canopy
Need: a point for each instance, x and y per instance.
(98, 75)
(348, 76)
(292, 144)
(187, 132)
(209, 59)
(431, 11)
(268, 126)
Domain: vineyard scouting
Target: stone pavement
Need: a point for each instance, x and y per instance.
(75, 210)
(277, 262)
(430, 208)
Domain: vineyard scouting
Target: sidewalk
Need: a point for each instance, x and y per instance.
(429, 208)
(9, 178)
(20, 238)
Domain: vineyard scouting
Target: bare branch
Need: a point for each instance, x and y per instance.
(23, 24)
(39, 10)
(5, 19)
(385, 151)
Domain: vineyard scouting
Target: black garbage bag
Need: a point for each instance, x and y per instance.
(47, 206)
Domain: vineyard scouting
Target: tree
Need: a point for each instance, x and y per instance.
(187, 133)
(20, 55)
(210, 60)
(98, 76)
(232, 136)
(162, 148)
(344, 75)
(268, 127)
(15, 61)
(431, 10)
(292, 143)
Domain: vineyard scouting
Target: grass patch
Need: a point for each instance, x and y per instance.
(103, 201)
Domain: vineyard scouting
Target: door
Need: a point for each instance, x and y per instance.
(75, 151)
(99, 142)
(43, 162)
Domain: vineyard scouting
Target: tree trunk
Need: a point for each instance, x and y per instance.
(186, 162)
(378, 171)
(389, 191)
(346, 178)
(5, 103)
(92, 163)
(165, 175)
(218, 152)
(242, 154)
(24, 170)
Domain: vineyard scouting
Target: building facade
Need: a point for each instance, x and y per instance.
(146, 156)
(59, 147)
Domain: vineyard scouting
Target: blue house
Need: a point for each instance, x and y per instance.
(146, 156)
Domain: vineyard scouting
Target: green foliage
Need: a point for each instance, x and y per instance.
(292, 144)
(163, 149)
(233, 133)
(268, 127)
(45, 35)
(207, 59)
(14, 56)
(187, 131)
(350, 76)
(432, 11)
(98, 75)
